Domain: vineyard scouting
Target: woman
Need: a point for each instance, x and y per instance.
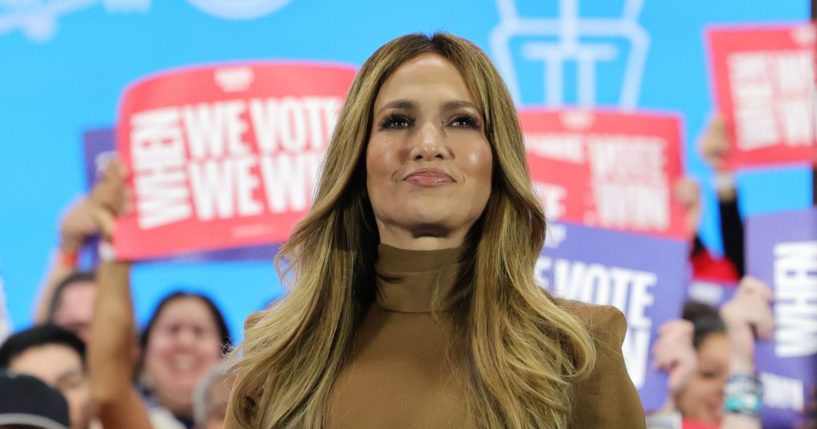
(414, 303)
(184, 339)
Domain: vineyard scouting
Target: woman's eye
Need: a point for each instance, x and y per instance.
(202, 331)
(396, 121)
(172, 329)
(465, 121)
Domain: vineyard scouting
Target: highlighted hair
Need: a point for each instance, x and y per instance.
(522, 352)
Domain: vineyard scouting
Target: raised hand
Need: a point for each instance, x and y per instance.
(675, 354)
(748, 317)
(110, 198)
(688, 194)
(77, 225)
(714, 144)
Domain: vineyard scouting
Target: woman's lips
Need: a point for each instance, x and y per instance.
(428, 177)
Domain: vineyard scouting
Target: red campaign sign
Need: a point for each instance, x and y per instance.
(224, 156)
(607, 169)
(764, 86)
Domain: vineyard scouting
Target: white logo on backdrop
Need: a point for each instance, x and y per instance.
(37, 19)
(567, 42)
(239, 9)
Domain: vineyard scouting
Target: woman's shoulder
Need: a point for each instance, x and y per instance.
(605, 322)
(606, 397)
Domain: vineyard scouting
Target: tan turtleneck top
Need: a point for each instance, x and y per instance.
(400, 375)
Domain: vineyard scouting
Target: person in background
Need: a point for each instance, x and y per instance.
(715, 149)
(26, 402)
(710, 360)
(57, 357)
(67, 295)
(72, 303)
(211, 397)
(185, 338)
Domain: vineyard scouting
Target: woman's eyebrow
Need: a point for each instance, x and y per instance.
(457, 104)
(398, 104)
(411, 105)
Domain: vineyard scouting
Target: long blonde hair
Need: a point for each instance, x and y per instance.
(522, 351)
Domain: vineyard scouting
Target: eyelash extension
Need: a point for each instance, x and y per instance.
(392, 121)
(396, 121)
(469, 120)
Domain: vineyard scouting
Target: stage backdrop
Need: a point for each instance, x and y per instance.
(66, 62)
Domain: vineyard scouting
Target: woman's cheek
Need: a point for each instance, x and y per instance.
(478, 162)
(211, 350)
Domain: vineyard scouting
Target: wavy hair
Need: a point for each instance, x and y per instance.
(522, 352)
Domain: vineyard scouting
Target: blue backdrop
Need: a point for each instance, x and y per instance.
(64, 63)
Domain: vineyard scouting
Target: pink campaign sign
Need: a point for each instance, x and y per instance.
(607, 169)
(224, 156)
(764, 86)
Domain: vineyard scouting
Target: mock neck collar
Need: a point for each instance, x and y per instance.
(406, 279)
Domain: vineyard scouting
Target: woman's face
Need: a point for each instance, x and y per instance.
(184, 344)
(428, 161)
(702, 398)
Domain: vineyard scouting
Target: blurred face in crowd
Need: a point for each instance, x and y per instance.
(428, 161)
(184, 344)
(61, 367)
(702, 398)
(75, 309)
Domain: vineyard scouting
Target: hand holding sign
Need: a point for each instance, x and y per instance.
(110, 198)
(77, 225)
(93, 214)
(714, 144)
(715, 149)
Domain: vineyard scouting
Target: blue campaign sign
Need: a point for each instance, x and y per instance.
(643, 276)
(782, 251)
(65, 64)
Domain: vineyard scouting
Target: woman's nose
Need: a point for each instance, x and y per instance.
(186, 337)
(429, 143)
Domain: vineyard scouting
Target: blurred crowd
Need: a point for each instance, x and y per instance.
(84, 364)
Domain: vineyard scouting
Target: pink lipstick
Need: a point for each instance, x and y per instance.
(429, 177)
